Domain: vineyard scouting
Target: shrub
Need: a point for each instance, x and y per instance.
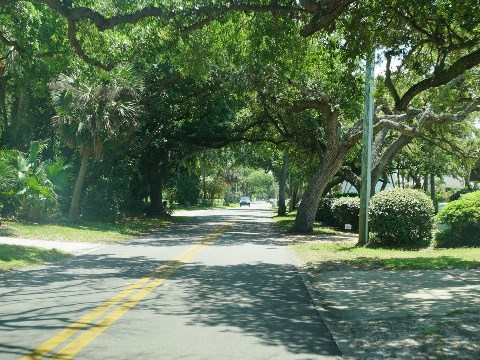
(462, 218)
(346, 210)
(102, 201)
(401, 218)
(37, 200)
(457, 193)
(324, 211)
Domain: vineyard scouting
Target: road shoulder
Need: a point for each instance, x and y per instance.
(414, 314)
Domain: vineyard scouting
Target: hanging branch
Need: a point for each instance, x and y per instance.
(440, 78)
(77, 46)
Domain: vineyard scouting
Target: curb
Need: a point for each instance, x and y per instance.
(316, 299)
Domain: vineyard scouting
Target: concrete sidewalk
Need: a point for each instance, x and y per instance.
(370, 295)
(414, 315)
(66, 246)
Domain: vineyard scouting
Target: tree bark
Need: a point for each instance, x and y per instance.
(155, 181)
(18, 117)
(282, 209)
(294, 199)
(204, 181)
(77, 192)
(384, 183)
(433, 192)
(425, 183)
(383, 160)
(3, 109)
(348, 175)
(157, 168)
(331, 164)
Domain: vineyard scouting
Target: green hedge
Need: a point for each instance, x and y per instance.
(324, 212)
(460, 221)
(346, 210)
(401, 218)
(457, 193)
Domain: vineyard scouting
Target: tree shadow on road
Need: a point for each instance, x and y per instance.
(261, 299)
(268, 301)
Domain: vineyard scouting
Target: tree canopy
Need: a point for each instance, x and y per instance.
(268, 78)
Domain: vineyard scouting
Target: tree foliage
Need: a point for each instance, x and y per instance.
(273, 77)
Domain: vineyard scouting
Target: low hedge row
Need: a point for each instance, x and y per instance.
(404, 218)
(325, 214)
(346, 210)
(459, 222)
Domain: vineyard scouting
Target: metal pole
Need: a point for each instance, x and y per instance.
(366, 150)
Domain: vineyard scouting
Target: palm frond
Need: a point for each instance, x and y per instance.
(36, 148)
(58, 172)
(91, 112)
(8, 176)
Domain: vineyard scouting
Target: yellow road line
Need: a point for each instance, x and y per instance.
(86, 320)
(88, 336)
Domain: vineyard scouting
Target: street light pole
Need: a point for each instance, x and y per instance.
(366, 150)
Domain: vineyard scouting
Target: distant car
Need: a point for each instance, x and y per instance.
(245, 201)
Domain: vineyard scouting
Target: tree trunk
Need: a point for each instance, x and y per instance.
(282, 209)
(425, 183)
(307, 210)
(467, 178)
(156, 189)
(204, 187)
(19, 111)
(77, 192)
(158, 166)
(417, 182)
(381, 161)
(384, 184)
(294, 199)
(433, 191)
(3, 109)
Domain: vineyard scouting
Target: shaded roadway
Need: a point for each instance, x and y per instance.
(240, 298)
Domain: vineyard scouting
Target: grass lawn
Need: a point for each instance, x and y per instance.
(89, 232)
(286, 222)
(345, 255)
(329, 254)
(14, 256)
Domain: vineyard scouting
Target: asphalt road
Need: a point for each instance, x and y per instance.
(221, 286)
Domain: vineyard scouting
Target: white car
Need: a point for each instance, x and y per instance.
(245, 200)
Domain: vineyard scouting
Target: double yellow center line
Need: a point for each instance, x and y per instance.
(98, 320)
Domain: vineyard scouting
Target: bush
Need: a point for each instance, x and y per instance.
(103, 201)
(324, 211)
(401, 218)
(346, 210)
(462, 218)
(37, 201)
(457, 193)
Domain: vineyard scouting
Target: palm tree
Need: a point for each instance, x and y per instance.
(90, 112)
(8, 180)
